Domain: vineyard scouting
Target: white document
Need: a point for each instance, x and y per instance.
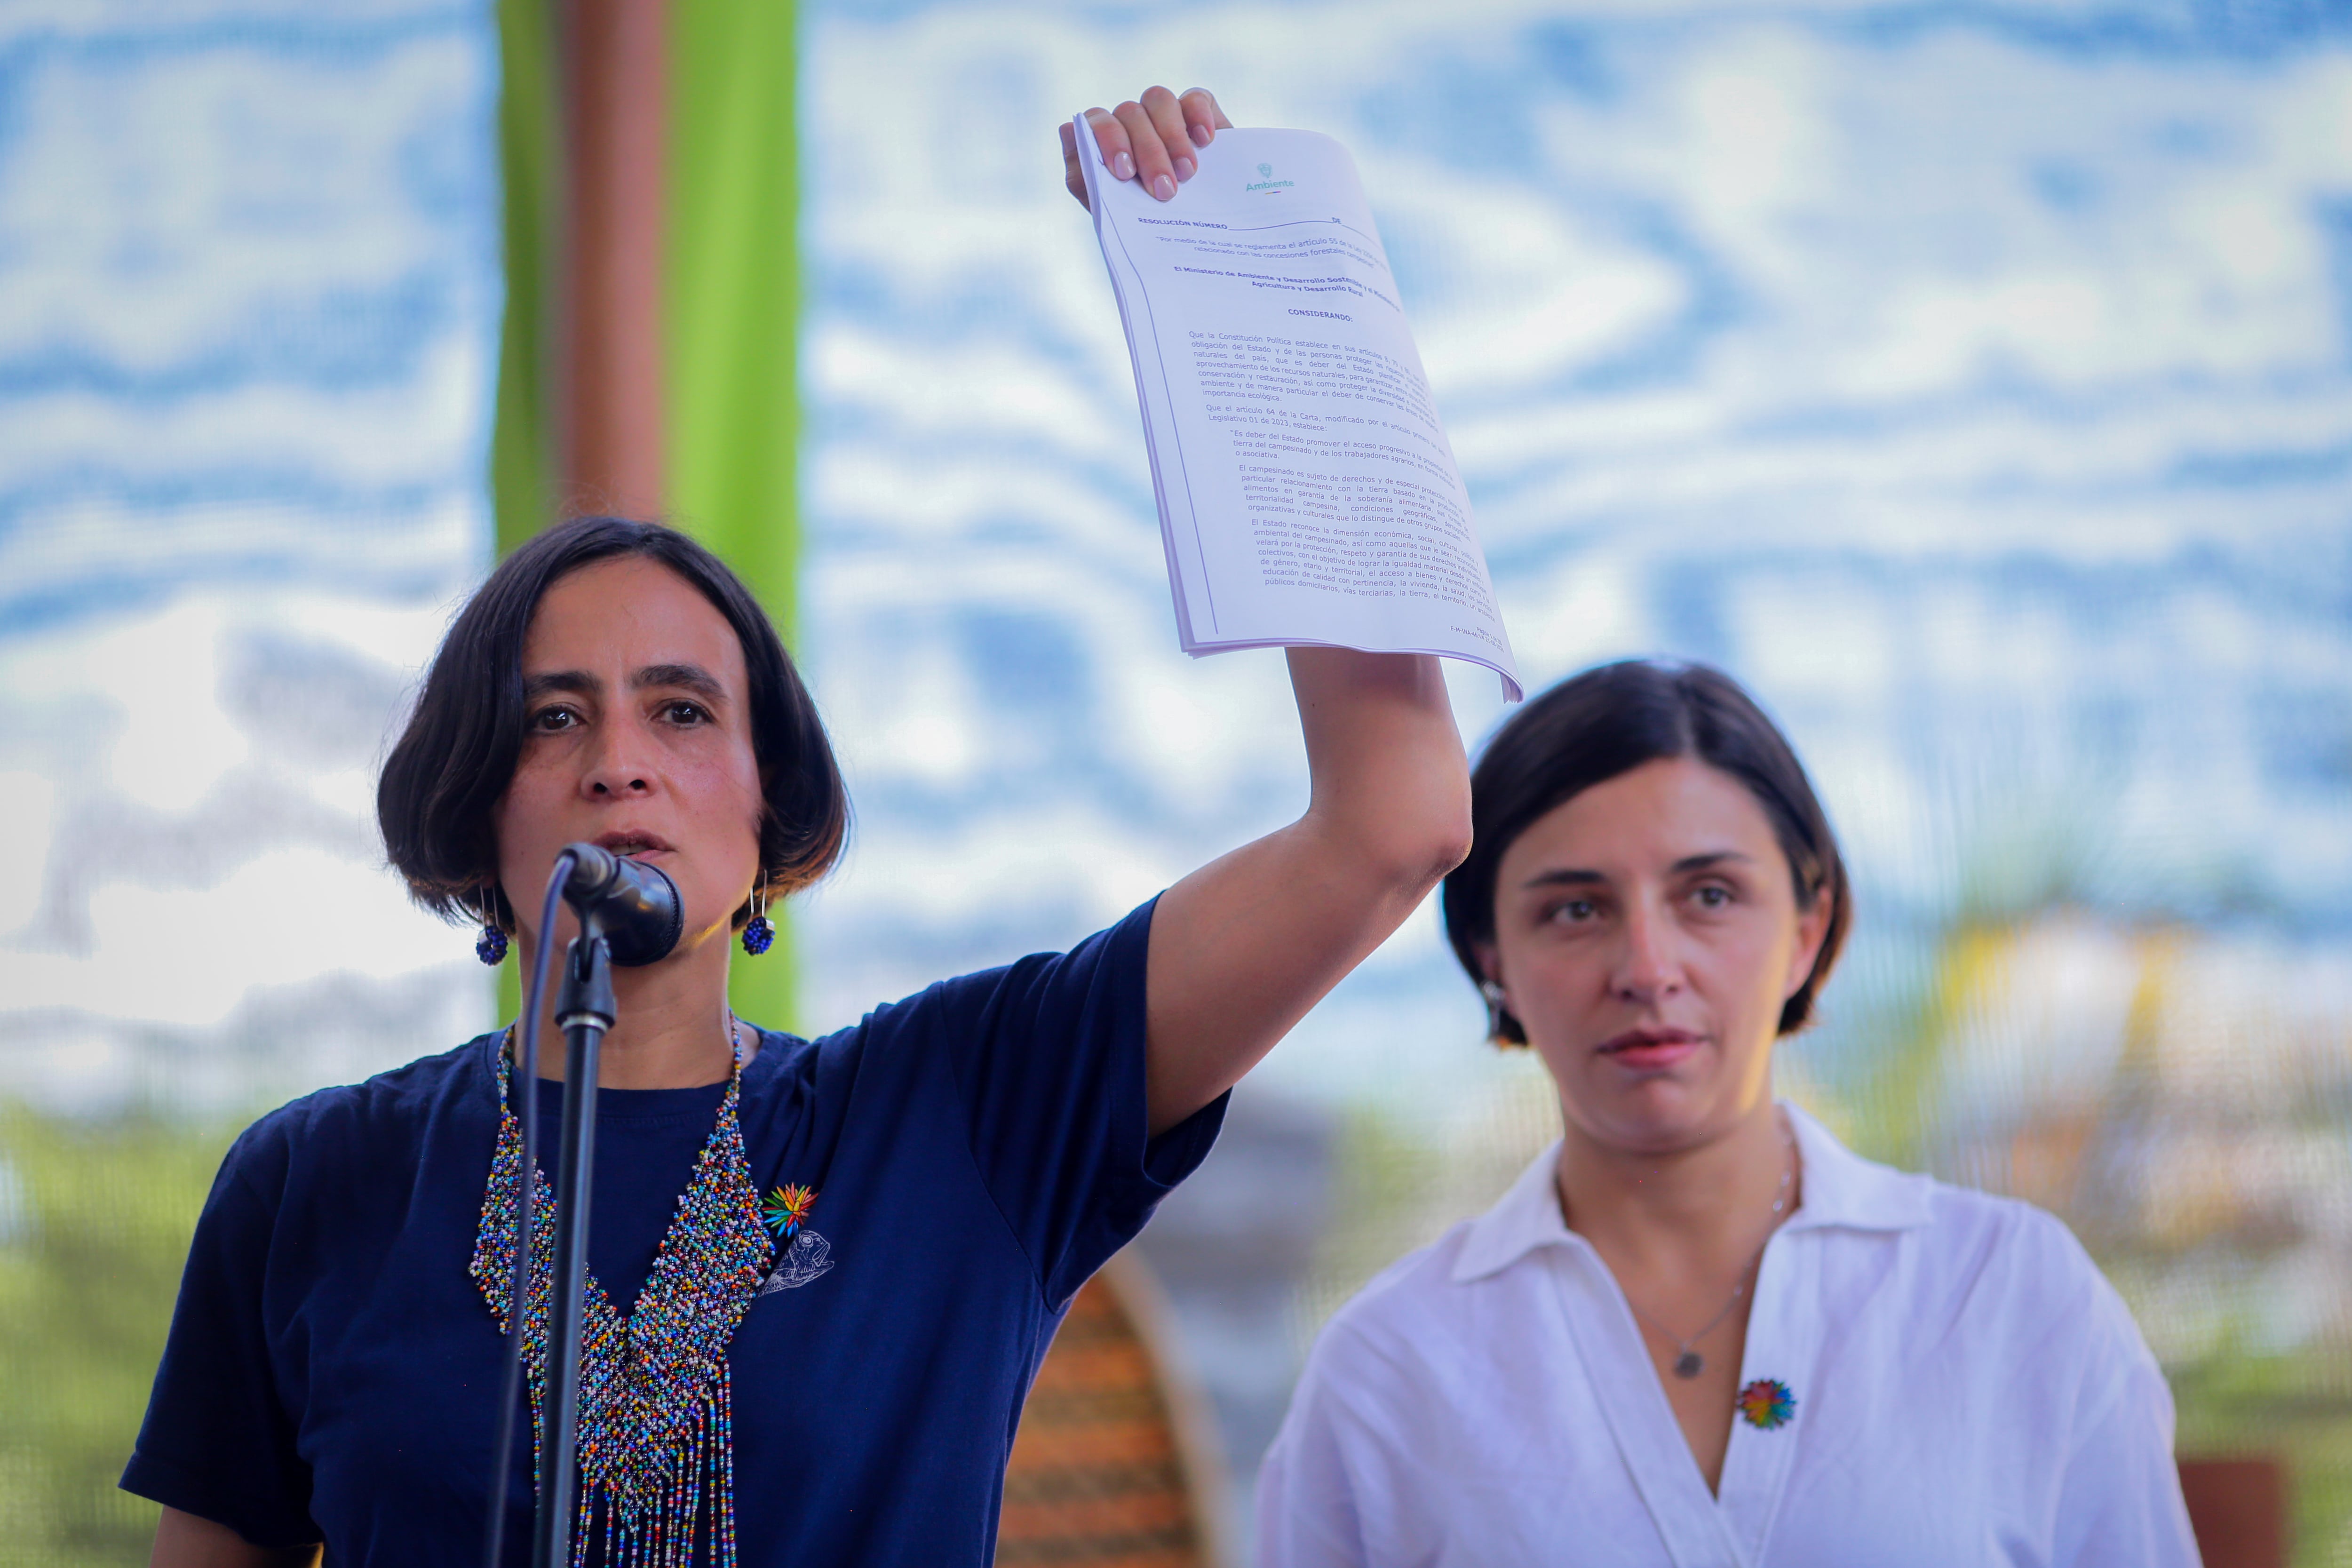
(1308, 494)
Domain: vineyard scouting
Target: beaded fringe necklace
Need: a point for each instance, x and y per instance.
(656, 1439)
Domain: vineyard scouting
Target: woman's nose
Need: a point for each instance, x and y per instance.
(616, 784)
(1648, 968)
(617, 766)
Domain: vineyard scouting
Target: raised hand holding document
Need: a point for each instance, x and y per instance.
(1308, 494)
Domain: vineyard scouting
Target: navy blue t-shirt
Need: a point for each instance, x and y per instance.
(978, 1151)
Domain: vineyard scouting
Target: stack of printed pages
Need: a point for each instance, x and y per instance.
(1308, 494)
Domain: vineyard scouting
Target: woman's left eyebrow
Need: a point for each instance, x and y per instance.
(690, 677)
(1708, 861)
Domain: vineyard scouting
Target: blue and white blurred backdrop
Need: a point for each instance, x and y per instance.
(1974, 381)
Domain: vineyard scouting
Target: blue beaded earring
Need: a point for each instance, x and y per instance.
(490, 947)
(759, 931)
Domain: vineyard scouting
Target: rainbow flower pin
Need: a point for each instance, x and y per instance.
(1767, 1403)
(786, 1207)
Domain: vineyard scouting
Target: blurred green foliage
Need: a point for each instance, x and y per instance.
(94, 1226)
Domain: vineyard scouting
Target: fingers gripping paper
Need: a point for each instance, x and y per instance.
(1308, 494)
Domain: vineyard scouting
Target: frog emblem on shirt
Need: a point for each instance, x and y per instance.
(807, 1256)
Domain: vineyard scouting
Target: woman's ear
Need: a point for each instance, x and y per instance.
(1501, 1027)
(1812, 930)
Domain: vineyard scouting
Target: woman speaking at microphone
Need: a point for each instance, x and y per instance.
(822, 1273)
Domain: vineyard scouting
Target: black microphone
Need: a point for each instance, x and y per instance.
(636, 905)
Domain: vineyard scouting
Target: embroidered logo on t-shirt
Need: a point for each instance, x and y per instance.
(1767, 1403)
(807, 1255)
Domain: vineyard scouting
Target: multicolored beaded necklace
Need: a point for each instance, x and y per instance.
(657, 1438)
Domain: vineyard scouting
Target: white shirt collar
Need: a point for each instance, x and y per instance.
(1842, 1189)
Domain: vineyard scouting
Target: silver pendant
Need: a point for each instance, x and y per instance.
(1689, 1364)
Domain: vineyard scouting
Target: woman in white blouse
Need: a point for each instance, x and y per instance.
(1698, 1330)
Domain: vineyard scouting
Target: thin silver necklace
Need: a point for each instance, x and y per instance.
(1688, 1363)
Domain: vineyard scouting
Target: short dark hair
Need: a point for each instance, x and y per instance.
(453, 763)
(1593, 727)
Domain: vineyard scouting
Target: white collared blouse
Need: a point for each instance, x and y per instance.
(1968, 1389)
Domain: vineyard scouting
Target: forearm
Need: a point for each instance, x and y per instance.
(1390, 787)
(1244, 947)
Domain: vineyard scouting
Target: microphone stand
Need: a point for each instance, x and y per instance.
(584, 1010)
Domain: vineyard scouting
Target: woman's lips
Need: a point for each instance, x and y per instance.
(632, 843)
(1651, 1050)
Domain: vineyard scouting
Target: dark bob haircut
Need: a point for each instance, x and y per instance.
(1593, 727)
(453, 763)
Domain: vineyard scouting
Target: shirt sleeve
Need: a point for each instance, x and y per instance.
(1047, 1057)
(2119, 1504)
(218, 1441)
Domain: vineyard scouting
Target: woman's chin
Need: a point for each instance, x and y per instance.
(1655, 1114)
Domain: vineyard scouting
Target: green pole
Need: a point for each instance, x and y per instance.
(522, 458)
(730, 322)
(733, 282)
(523, 461)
